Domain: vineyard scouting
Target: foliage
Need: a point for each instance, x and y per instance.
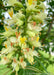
(47, 35)
(1, 15)
(2, 10)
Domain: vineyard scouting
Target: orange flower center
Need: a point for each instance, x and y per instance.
(5, 58)
(11, 44)
(34, 23)
(27, 49)
(21, 59)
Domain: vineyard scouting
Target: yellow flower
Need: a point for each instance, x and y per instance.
(6, 28)
(30, 59)
(37, 39)
(30, 2)
(5, 45)
(23, 39)
(10, 12)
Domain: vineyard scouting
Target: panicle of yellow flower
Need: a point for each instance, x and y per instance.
(30, 2)
(6, 28)
(10, 12)
(37, 39)
(22, 39)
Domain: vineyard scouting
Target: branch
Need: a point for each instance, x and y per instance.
(49, 29)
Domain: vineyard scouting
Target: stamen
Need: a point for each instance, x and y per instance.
(34, 23)
(6, 45)
(33, 48)
(16, 35)
(5, 58)
(21, 59)
(11, 44)
(14, 60)
(27, 49)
